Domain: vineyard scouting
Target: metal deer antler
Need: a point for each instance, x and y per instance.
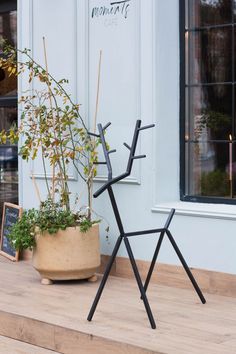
(124, 235)
(106, 152)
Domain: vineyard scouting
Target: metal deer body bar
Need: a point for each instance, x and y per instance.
(124, 236)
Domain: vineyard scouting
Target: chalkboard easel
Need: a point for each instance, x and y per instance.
(11, 213)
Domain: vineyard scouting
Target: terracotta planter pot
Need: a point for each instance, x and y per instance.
(69, 254)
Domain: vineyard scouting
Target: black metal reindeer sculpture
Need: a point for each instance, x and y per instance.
(124, 236)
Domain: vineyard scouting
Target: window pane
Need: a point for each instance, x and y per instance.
(234, 11)
(8, 84)
(210, 93)
(8, 27)
(8, 116)
(8, 31)
(8, 161)
(209, 12)
(209, 55)
(208, 169)
(209, 112)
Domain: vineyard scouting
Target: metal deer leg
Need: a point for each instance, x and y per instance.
(104, 278)
(159, 243)
(188, 271)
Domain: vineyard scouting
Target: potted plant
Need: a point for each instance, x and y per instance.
(64, 240)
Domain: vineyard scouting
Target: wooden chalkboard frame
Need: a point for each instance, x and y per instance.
(14, 206)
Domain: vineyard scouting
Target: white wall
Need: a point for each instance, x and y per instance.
(139, 79)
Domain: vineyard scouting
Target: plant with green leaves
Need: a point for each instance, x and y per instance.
(51, 128)
(51, 218)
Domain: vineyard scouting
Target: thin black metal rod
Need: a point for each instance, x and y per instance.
(113, 256)
(138, 157)
(209, 141)
(106, 126)
(207, 84)
(144, 232)
(110, 183)
(104, 278)
(100, 163)
(159, 243)
(106, 155)
(209, 27)
(147, 127)
(188, 271)
(154, 259)
(169, 219)
(133, 146)
(116, 211)
(153, 231)
(139, 282)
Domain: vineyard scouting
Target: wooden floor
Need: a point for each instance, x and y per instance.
(12, 346)
(54, 317)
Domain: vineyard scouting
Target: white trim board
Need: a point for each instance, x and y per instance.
(216, 211)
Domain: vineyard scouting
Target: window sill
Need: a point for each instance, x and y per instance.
(215, 211)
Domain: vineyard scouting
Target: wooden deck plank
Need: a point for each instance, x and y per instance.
(55, 316)
(12, 346)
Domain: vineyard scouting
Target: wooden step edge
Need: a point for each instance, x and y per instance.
(60, 339)
(9, 345)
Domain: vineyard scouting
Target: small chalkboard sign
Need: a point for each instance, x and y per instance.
(11, 213)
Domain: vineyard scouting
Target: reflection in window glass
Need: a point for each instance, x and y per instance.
(208, 173)
(8, 117)
(8, 161)
(8, 32)
(209, 12)
(8, 109)
(210, 55)
(209, 112)
(8, 27)
(209, 149)
(8, 84)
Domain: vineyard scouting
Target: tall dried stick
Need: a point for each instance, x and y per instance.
(50, 99)
(94, 128)
(98, 91)
(36, 187)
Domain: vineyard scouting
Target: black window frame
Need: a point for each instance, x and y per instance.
(9, 101)
(182, 114)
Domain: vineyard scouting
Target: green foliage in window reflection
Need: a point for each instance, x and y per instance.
(215, 183)
(218, 123)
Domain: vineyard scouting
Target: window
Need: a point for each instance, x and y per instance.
(208, 101)
(8, 108)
